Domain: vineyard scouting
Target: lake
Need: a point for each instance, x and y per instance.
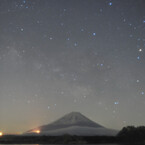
(58, 144)
(70, 144)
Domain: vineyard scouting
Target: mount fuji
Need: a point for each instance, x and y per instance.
(73, 123)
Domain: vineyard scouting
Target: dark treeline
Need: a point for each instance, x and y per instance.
(132, 134)
(129, 134)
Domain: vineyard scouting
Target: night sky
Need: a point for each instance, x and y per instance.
(59, 56)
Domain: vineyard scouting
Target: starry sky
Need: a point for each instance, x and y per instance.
(59, 56)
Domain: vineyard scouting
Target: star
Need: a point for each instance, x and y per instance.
(110, 4)
(116, 103)
(140, 50)
(75, 44)
(101, 10)
(22, 29)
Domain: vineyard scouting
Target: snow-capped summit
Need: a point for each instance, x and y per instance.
(76, 118)
(73, 123)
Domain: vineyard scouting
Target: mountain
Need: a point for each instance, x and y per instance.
(73, 123)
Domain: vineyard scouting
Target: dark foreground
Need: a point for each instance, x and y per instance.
(56, 139)
(128, 135)
(65, 139)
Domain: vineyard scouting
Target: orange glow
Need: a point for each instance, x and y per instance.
(1, 134)
(37, 131)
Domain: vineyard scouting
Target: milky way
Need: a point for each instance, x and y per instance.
(59, 56)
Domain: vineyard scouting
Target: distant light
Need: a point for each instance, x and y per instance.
(94, 34)
(140, 50)
(138, 57)
(142, 93)
(143, 21)
(37, 131)
(1, 134)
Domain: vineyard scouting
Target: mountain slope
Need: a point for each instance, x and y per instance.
(73, 123)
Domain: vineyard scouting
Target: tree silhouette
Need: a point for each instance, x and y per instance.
(132, 134)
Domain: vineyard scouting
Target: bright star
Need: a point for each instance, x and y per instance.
(116, 103)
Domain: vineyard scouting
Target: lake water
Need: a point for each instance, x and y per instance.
(58, 144)
(69, 144)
